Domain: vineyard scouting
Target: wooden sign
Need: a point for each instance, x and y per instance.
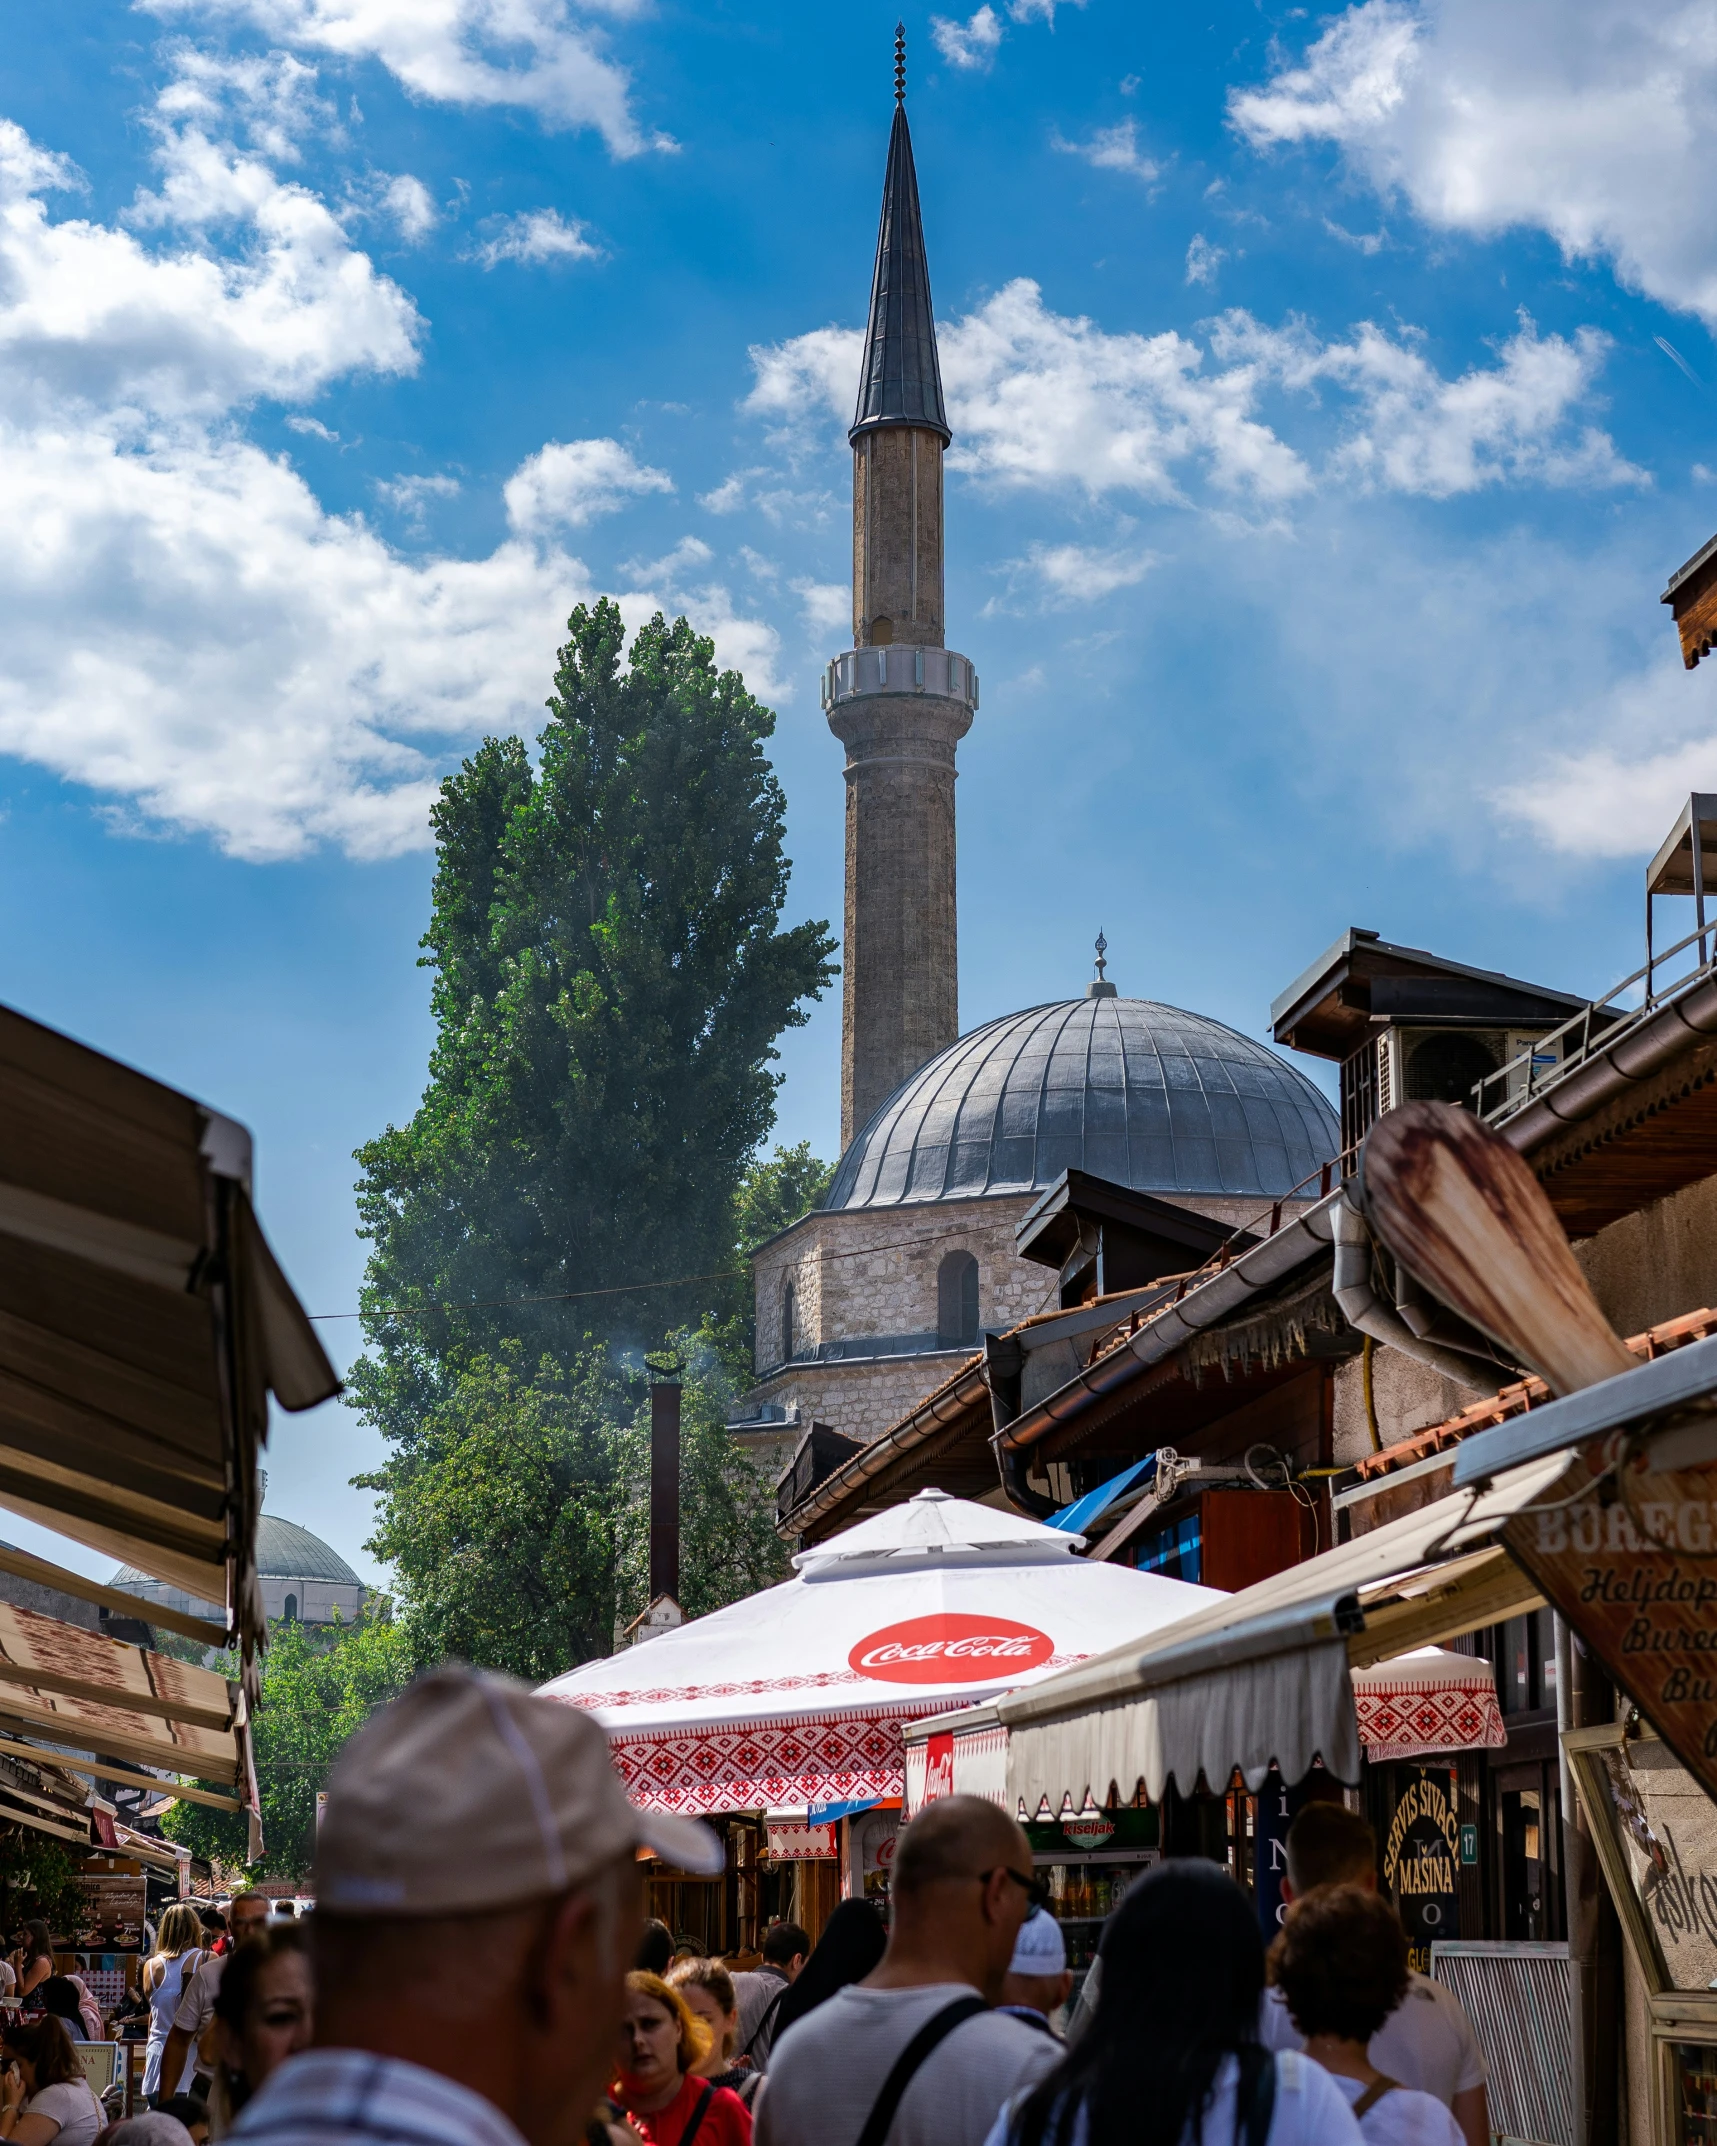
(1627, 1552)
(1421, 1855)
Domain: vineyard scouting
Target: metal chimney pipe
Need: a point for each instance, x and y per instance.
(664, 1481)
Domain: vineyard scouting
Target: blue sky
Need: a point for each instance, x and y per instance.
(1318, 464)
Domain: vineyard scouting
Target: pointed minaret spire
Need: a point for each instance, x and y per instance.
(899, 700)
(901, 382)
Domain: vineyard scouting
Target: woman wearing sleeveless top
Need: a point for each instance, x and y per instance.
(164, 1977)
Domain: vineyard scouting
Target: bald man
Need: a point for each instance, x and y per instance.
(960, 1890)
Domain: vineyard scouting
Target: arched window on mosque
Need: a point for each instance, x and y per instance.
(957, 1301)
(789, 1297)
(292, 1609)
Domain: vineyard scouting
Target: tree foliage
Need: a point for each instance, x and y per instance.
(317, 1688)
(609, 985)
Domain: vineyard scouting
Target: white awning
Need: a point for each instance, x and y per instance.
(1265, 1677)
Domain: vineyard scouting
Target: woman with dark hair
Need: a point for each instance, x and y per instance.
(58, 1997)
(851, 1947)
(37, 1961)
(45, 2100)
(1172, 2056)
(262, 2013)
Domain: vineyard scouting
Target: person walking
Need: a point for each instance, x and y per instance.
(1427, 2042)
(1171, 2055)
(786, 1947)
(708, 1990)
(914, 2054)
(263, 2015)
(1038, 1979)
(854, 1939)
(1341, 1966)
(478, 1905)
(179, 1952)
(658, 2084)
(246, 1916)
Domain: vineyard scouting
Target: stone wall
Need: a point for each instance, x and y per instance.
(1656, 1264)
(859, 1399)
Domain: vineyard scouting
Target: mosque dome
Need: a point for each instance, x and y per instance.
(1143, 1094)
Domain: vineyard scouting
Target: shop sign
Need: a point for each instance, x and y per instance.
(873, 1839)
(1420, 1857)
(802, 1844)
(1632, 1565)
(939, 1766)
(952, 1647)
(1089, 1831)
(111, 1913)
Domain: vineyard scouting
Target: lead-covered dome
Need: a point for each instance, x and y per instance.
(1142, 1094)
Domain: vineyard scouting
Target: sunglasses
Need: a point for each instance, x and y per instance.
(1036, 1889)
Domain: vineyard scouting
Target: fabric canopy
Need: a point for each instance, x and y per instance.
(798, 1695)
(143, 1320)
(1265, 1677)
(1426, 1702)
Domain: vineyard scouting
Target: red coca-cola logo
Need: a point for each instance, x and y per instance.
(952, 1648)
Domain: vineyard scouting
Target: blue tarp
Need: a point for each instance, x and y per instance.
(1074, 1519)
(825, 1814)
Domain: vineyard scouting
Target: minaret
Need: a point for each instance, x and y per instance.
(899, 701)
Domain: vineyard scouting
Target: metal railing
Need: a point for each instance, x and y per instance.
(1600, 1025)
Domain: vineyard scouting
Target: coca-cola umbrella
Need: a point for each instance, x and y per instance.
(796, 1696)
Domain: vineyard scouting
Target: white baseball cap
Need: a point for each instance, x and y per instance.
(470, 1793)
(1038, 1950)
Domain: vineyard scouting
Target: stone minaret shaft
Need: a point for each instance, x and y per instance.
(899, 700)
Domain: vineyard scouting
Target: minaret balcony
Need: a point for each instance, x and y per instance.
(900, 668)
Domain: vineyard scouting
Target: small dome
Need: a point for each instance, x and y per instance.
(284, 1551)
(1140, 1093)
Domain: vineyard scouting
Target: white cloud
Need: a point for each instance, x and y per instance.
(1038, 399)
(689, 555)
(312, 428)
(407, 202)
(1113, 148)
(728, 496)
(970, 44)
(1366, 242)
(1079, 573)
(570, 482)
(670, 585)
(1203, 259)
(535, 236)
(410, 496)
(1586, 119)
(532, 54)
(268, 99)
(827, 605)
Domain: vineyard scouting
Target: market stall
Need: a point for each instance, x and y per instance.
(789, 1706)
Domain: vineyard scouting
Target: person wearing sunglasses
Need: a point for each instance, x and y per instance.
(915, 2054)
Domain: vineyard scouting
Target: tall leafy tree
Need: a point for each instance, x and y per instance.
(609, 984)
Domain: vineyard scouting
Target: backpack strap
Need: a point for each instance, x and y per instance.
(1254, 2095)
(698, 2114)
(934, 2031)
(1373, 2094)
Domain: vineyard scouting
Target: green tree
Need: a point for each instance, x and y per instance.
(609, 984)
(772, 1195)
(317, 1688)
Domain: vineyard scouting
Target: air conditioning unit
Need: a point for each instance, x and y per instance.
(1445, 1064)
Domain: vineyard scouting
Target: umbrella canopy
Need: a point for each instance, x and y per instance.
(797, 1695)
(1431, 1701)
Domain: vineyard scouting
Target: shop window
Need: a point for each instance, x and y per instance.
(957, 1301)
(788, 1308)
(1175, 1551)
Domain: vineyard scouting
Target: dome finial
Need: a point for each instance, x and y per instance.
(1100, 987)
(900, 63)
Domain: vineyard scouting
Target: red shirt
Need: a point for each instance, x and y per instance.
(726, 2122)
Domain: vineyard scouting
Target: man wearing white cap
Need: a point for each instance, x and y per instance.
(1038, 1976)
(477, 1907)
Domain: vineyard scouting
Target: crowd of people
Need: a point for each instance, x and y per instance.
(477, 1973)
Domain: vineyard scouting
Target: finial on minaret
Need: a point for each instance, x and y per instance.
(1100, 986)
(900, 63)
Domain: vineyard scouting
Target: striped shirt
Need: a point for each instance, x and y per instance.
(352, 2097)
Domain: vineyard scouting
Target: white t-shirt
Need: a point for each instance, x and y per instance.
(73, 2106)
(1426, 2043)
(1310, 2110)
(828, 2068)
(197, 2006)
(1403, 2117)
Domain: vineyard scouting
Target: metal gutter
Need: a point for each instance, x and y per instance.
(1613, 1069)
(1256, 1272)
